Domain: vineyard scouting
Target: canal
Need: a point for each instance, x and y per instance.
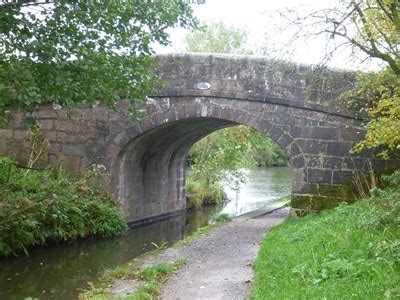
(60, 271)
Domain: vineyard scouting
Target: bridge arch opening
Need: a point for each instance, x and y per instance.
(148, 176)
(238, 169)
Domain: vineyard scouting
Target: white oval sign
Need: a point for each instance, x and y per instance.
(203, 85)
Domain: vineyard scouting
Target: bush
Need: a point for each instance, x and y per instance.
(200, 193)
(39, 207)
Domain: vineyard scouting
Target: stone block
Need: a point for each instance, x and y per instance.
(55, 148)
(293, 150)
(300, 131)
(319, 176)
(20, 134)
(315, 161)
(297, 162)
(72, 164)
(49, 135)
(275, 133)
(70, 126)
(351, 134)
(351, 163)
(78, 138)
(46, 124)
(319, 203)
(340, 176)
(332, 162)
(74, 150)
(299, 201)
(336, 190)
(112, 151)
(61, 136)
(325, 133)
(284, 141)
(264, 127)
(6, 133)
(338, 149)
(312, 146)
(53, 159)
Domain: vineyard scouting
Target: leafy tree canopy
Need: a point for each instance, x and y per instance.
(76, 53)
(217, 38)
(377, 34)
(372, 28)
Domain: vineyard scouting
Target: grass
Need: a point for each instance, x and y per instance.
(351, 252)
(151, 280)
(221, 218)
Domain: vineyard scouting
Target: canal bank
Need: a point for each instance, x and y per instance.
(218, 264)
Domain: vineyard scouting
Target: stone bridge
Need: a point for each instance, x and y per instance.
(296, 106)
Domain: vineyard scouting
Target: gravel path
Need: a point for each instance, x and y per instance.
(219, 262)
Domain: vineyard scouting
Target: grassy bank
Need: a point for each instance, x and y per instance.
(39, 207)
(351, 252)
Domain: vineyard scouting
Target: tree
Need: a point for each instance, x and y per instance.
(372, 28)
(217, 38)
(74, 53)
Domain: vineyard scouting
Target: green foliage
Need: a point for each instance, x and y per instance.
(371, 27)
(221, 218)
(217, 38)
(38, 207)
(393, 179)
(77, 53)
(352, 251)
(221, 155)
(263, 151)
(202, 192)
(380, 99)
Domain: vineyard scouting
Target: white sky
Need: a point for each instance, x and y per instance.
(260, 18)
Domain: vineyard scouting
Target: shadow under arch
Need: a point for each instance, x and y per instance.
(148, 175)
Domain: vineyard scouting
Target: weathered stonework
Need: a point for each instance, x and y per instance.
(146, 161)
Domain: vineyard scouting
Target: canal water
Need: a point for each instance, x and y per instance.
(58, 272)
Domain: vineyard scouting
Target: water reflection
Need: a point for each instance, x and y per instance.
(56, 271)
(264, 186)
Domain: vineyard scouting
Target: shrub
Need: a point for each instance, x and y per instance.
(200, 193)
(38, 207)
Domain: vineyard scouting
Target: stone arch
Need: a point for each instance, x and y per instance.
(281, 100)
(148, 173)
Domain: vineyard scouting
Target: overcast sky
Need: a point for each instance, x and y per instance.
(262, 21)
